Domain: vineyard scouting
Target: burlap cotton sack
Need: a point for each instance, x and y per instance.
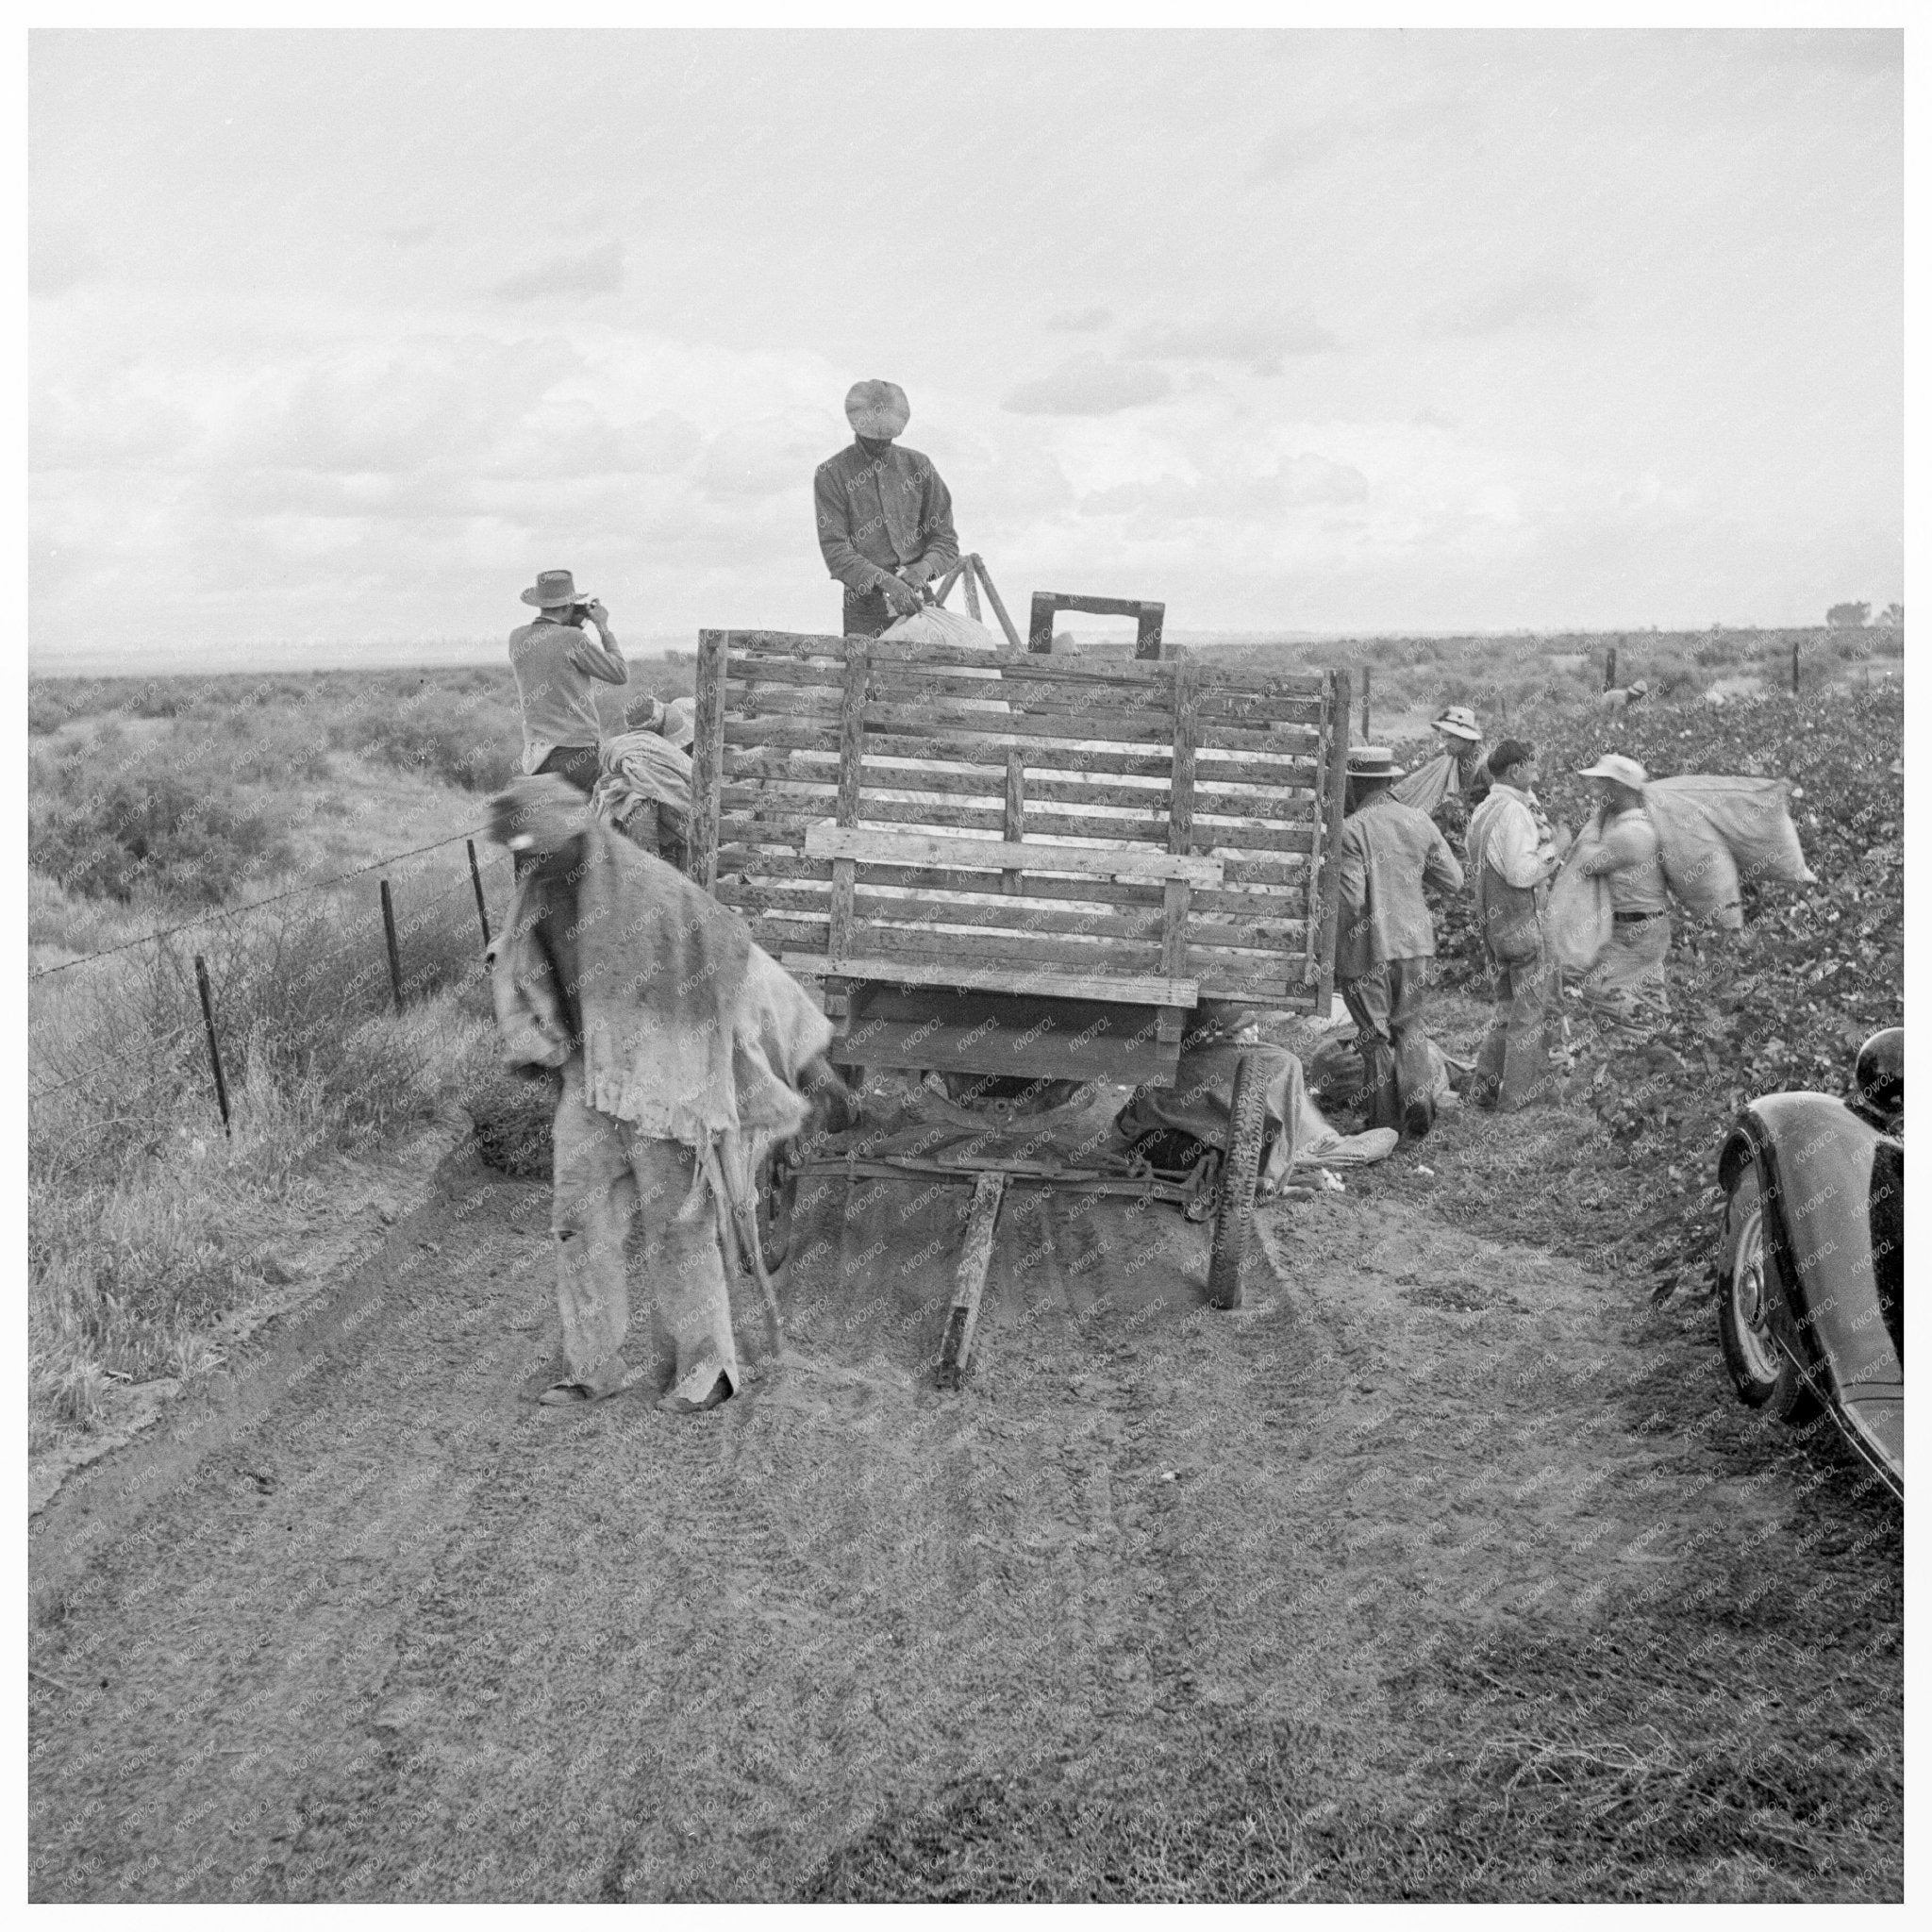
(1428, 785)
(1713, 832)
(1577, 922)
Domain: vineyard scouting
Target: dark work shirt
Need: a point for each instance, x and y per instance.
(883, 515)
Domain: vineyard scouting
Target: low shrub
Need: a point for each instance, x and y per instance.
(155, 830)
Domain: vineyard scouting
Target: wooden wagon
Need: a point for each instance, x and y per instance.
(1022, 865)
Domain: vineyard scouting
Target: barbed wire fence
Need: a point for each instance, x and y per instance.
(422, 912)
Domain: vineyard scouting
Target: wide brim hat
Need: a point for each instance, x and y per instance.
(1372, 761)
(877, 410)
(551, 587)
(680, 726)
(1458, 721)
(1613, 764)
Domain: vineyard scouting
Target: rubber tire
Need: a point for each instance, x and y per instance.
(1241, 1175)
(777, 1194)
(1757, 1347)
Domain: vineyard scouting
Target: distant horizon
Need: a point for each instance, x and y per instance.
(460, 653)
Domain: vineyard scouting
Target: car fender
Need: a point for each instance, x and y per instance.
(1831, 1187)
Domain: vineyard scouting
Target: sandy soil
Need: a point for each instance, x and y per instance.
(364, 1625)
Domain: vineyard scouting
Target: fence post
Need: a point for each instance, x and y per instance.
(214, 1047)
(1794, 667)
(395, 957)
(1367, 734)
(1611, 667)
(477, 881)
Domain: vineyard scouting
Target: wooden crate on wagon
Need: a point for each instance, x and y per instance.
(1045, 887)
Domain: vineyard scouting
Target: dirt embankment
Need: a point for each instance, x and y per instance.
(398, 1635)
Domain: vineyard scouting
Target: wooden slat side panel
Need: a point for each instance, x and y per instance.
(706, 760)
(1341, 691)
(1130, 989)
(897, 848)
(777, 814)
(1028, 952)
(794, 866)
(1019, 662)
(753, 744)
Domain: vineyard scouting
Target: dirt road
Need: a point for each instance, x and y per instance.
(370, 1627)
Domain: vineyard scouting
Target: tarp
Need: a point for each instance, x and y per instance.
(1714, 832)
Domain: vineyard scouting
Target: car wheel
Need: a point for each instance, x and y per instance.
(1755, 1326)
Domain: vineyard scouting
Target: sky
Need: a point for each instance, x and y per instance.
(336, 338)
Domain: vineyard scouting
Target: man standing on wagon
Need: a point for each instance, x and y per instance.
(1385, 940)
(885, 519)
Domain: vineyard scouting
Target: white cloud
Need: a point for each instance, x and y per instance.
(1544, 297)
(597, 271)
(1090, 385)
(1259, 341)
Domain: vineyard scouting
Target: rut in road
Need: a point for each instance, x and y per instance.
(407, 1636)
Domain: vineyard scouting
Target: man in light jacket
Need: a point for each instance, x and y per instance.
(1512, 857)
(885, 519)
(1625, 994)
(1385, 939)
(557, 661)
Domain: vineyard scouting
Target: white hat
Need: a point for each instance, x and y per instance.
(1371, 761)
(1613, 764)
(1458, 721)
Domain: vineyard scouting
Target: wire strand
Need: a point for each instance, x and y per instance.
(221, 912)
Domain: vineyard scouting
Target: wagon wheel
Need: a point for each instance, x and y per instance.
(1240, 1173)
(776, 1194)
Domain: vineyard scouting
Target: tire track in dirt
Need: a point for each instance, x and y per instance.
(407, 1638)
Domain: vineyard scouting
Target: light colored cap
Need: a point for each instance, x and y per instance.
(878, 409)
(1613, 764)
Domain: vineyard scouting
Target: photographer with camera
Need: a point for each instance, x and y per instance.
(555, 659)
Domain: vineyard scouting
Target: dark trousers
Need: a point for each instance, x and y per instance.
(866, 615)
(1512, 1069)
(576, 764)
(1389, 1005)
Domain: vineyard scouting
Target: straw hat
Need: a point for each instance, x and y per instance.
(553, 587)
(1458, 721)
(1372, 761)
(1613, 764)
(877, 410)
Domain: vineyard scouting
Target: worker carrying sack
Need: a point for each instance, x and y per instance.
(1714, 832)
